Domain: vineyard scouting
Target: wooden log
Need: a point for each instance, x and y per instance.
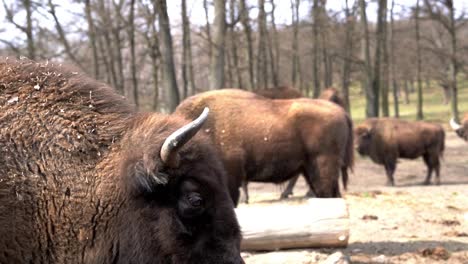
(318, 222)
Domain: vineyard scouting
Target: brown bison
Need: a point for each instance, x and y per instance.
(333, 95)
(385, 140)
(281, 92)
(461, 129)
(267, 140)
(85, 179)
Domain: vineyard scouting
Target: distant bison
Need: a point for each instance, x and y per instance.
(385, 140)
(333, 95)
(85, 179)
(281, 92)
(461, 129)
(268, 140)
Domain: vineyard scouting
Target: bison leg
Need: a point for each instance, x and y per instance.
(390, 170)
(245, 190)
(323, 175)
(432, 163)
(288, 191)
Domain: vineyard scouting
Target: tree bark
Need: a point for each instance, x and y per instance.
(295, 42)
(208, 29)
(170, 82)
(187, 66)
(453, 60)
(419, 109)
(244, 16)
(218, 56)
(273, 47)
(392, 64)
(261, 44)
(131, 38)
(238, 82)
(378, 57)
(315, 51)
(371, 97)
(92, 38)
(385, 66)
(347, 48)
(29, 30)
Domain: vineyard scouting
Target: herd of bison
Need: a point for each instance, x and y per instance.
(85, 178)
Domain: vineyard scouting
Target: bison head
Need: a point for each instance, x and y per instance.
(176, 207)
(461, 131)
(363, 139)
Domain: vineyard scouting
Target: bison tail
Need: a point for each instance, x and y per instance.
(442, 144)
(348, 160)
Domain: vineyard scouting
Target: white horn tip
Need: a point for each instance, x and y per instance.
(454, 124)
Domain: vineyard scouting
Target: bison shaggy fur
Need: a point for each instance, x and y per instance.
(82, 180)
(268, 140)
(385, 140)
(281, 92)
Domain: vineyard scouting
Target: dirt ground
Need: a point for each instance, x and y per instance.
(408, 223)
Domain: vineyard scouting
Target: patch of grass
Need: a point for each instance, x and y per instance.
(434, 109)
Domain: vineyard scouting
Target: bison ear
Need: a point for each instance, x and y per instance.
(145, 176)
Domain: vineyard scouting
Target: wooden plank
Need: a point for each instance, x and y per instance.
(317, 222)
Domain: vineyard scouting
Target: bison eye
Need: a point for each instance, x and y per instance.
(191, 205)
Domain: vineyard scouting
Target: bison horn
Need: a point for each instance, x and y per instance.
(181, 136)
(455, 126)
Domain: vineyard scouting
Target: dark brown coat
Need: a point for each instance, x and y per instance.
(332, 94)
(281, 92)
(273, 140)
(385, 140)
(461, 129)
(82, 179)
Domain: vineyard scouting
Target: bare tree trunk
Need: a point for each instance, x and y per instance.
(233, 45)
(295, 42)
(108, 45)
(244, 15)
(29, 30)
(131, 37)
(378, 56)
(273, 41)
(166, 49)
(186, 50)
(406, 91)
(385, 67)
(315, 51)
(347, 48)
(92, 38)
(261, 44)
(419, 114)
(370, 93)
(208, 29)
(152, 43)
(118, 47)
(219, 33)
(393, 63)
(453, 59)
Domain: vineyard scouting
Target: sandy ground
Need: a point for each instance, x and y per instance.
(408, 223)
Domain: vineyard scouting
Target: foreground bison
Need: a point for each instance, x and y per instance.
(268, 140)
(84, 179)
(385, 140)
(333, 95)
(461, 129)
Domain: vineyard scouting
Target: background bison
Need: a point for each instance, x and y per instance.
(461, 129)
(385, 140)
(85, 179)
(281, 92)
(274, 140)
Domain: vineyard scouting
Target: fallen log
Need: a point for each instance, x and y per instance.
(318, 222)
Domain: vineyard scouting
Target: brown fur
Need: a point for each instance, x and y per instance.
(273, 140)
(463, 131)
(281, 92)
(333, 95)
(385, 140)
(80, 177)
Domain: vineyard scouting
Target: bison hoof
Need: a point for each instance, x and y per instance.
(310, 193)
(427, 183)
(285, 195)
(390, 183)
